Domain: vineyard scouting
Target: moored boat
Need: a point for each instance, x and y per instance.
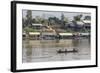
(67, 51)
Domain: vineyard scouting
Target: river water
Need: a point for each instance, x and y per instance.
(46, 50)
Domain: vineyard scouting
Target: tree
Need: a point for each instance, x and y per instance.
(62, 18)
(77, 18)
(53, 20)
(87, 18)
(23, 22)
(66, 20)
(29, 18)
(40, 20)
(33, 20)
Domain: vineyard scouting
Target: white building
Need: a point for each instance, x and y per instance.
(37, 26)
(87, 23)
(34, 35)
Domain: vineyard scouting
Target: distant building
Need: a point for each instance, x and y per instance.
(34, 35)
(48, 35)
(79, 23)
(75, 25)
(87, 23)
(65, 35)
(37, 26)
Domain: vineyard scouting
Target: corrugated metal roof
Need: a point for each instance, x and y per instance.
(46, 33)
(85, 33)
(80, 23)
(87, 21)
(37, 24)
(65, 34)
(34, 33)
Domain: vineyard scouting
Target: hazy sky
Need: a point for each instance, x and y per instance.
(46, 14)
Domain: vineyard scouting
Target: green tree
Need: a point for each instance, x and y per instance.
(23, 22)
(53, 20)
(62, 18)
(33, 20)
(29, 18)
(87, 18)
(66, 20)
(77, 18)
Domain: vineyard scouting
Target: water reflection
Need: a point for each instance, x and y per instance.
(46, 50)
(28, 50)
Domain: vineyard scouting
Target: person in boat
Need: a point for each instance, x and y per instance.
(74, 50)
(65, 50)
(59, 50)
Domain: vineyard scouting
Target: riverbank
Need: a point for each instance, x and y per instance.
(52, 36)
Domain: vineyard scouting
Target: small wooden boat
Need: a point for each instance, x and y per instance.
(67, 51)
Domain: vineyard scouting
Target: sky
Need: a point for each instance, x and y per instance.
(46, 14)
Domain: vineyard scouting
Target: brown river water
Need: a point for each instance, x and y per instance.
(46, 50)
